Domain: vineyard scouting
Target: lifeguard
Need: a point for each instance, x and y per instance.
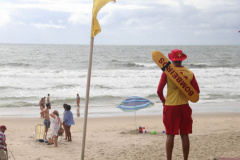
(181, 86)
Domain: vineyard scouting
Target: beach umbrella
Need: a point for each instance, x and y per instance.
(133, 104)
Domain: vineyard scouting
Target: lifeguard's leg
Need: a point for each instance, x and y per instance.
(185, 145)
(169, 145)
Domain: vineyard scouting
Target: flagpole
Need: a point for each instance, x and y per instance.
(95, 29)
(87, 98)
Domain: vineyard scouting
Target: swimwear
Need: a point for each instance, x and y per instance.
(78, 99)
(177, 119)
(47, 123)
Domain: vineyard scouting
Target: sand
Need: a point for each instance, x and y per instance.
(116, 138)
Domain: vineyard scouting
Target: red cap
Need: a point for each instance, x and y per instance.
(177, 55)
(2, 126)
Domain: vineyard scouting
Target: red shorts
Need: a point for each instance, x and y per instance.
(177, 119)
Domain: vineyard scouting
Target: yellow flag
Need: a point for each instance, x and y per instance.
(97, 5)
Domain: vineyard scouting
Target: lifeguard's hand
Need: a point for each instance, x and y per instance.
(163, 103)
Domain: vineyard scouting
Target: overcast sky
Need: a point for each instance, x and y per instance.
(138, 22)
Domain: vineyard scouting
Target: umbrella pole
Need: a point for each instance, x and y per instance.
(135, 115)
(87, 99)
(135, 120)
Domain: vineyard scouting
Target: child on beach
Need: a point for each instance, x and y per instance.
(3, 144)
(68, 121)
(56, 124)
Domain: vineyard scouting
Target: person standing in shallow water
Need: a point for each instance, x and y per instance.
(44, 100)
(78, 100)
(78, 105)
(177, 114)
(48, 98)
(42, 106)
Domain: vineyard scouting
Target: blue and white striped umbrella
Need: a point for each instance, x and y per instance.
(134, 103)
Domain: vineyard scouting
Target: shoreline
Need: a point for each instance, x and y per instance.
(122, 116)
(33, 112)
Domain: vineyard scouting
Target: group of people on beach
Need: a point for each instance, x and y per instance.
(57, 124)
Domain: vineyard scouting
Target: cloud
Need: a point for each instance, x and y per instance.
(132, 22)
(78, 18)
(69, 6)
(5, 18)
(49, 25)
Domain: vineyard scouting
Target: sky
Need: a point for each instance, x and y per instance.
(126, 22)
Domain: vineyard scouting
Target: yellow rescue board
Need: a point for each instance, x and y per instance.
(171, 72)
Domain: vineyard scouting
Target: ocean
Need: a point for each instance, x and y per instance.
(30, 72)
